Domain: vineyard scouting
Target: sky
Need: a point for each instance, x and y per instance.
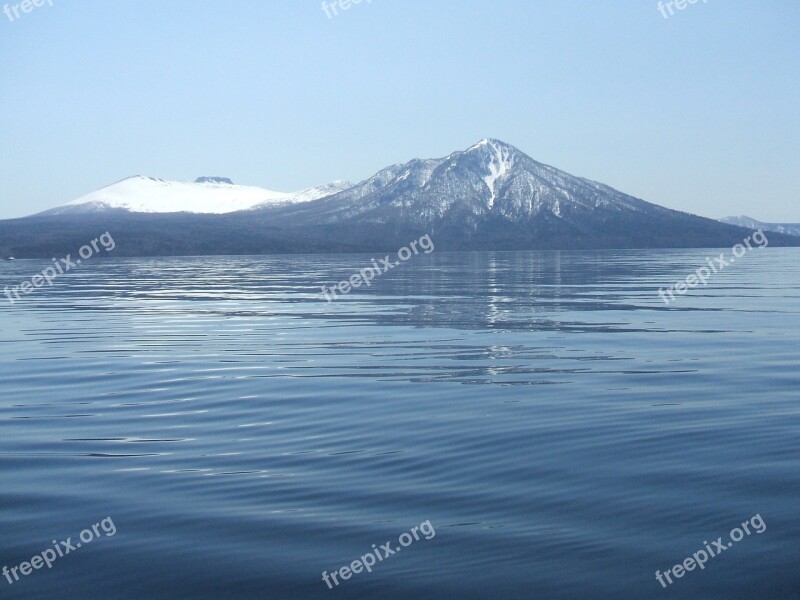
(697, 111)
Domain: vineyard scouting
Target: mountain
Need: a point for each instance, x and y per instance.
(487, 182)
(493, 196)
(208, 195)
(490, 196)
(742, 221)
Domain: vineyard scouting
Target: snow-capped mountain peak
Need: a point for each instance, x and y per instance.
(489, 179)
(205, 195)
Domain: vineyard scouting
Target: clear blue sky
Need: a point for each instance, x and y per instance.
(697, 112)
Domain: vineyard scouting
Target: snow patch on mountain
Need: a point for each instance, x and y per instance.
(499, 164)
(321, 191)
(206, 195)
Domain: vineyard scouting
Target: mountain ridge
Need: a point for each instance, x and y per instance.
(490, 196)
(750, 223)
(204, 195)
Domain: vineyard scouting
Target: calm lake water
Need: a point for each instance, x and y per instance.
(564, 431)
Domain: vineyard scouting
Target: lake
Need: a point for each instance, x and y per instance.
(563, 431)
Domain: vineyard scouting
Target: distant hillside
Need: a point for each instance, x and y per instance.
(785, 228)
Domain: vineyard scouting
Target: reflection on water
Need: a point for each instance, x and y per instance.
(564, 430)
